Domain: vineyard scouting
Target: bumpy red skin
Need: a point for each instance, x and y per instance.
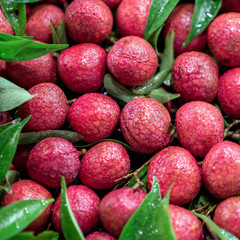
(131, 17)
(132, 61)
(112, 3)
(229, 92)
(94, 116)
(145, 123)
(84, 203)
(221, 170)
(48, 108)
(103, 164)
(28, 189)
(4, 118)
(176, 165)
(3, 72)
(52, 158)
(227, 215)
(82, 67)
(27, 74)
(223, 39)
(199, 126)
(117, 207)
(38, 23)
(99, 236)
(180, 21)
(185, 224)
(230, 6)
(88, 21)
(195, 77)
(5, 26)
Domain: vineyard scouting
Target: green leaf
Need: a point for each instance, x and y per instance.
(204, 12)
(24, 1)
(17, 216)
(16, 15)
(46, 235)
(59, 34)
(12, 96)
(222, 233)
(117, 90)
(4, 126)
(35, 137)
(70, 227)
(8, 145)
(159, 12)
(151, 220)
(162, 95)
(13, 48)
(153, 40)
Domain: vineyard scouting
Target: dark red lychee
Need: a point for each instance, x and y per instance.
(84, 203)
(223, 38)
(99, 236)
(117, 207)
(185, 224)
(52, 158)
(145, 123)
(82, 67)
(103, 165)
(3, 71)
(48, 108)
(227, 215)
(229, 92)
(195, 77)
(180, 21)
(221, 170)
(38, 23)
(176, 165)
(230, 6)
(5, 26)
(94, 116)
(131, 17)
(112, 3)
(132, 61)
(28, 189)
(199, 126)
(88, 21)
(4, 118)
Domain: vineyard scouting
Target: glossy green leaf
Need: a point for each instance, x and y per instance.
(204, 12)
(222, 234)
(8, 145)
(59, 34)
(154, 39)
(70, 227)
(15, 12)
(12, 96)
(46, 235)
(162, 95)
(35, 137)
(4, 126)
(159, 12)
(13, 48)
(117, 90)
(17, 216)
(151, 220)
(24, 1)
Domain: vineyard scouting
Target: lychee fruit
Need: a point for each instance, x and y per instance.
(51, 159)
(94, 116)
(195, 77)
(5, 26)
(103, 165)
(112, 3)
(4, 118)
(48, 108)
(176, 165)
(82, 67)
(3, 71)
(84, 203)
(145, 123)
(199, 127)
(221, 170)
(28, 189)
(132, 61)
(230, 6)
(117, 207)
(88, 21)
(99, 236)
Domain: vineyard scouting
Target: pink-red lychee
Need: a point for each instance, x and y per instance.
(199, 127)
(84, 203)
(103, 165)
(195, 77)
(99, 236)
(132, 61)
(82, 67)
(94, 115)
(117, 207)
(51, 159)
(5, 26)
(145, 123)
(221, 170)
(88, 21)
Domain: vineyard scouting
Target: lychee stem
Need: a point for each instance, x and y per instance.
(226, 131)
(69, 102)
(138, 182)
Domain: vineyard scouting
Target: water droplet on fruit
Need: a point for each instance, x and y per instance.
(140, 232)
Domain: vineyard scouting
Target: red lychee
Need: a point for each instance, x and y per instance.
(5, 26)
(230, 6)
(4, 118)
(3, 71)
(112, 3)
(99, 236)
